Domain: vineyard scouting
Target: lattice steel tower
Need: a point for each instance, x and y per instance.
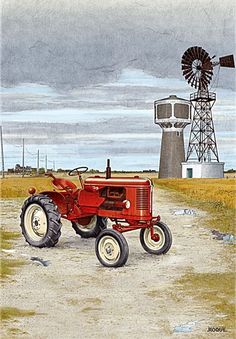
(202, 140)
(197, 68)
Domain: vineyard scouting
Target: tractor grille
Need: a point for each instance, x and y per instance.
(142, 198)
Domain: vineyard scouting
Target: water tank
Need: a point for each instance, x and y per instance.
(172, 114)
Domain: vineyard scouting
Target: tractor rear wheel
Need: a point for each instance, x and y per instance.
(111, 248)
(40, 221)
(89, 227)
(161, 244)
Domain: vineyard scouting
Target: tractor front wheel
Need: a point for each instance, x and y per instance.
(89, 227)
(111, 248)
(40, 221)
(162, 239)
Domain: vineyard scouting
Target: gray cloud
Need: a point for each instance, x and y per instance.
(73, 43)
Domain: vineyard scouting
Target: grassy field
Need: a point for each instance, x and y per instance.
(215, 289)
(16, 187)
(8, 266)
(216, 196)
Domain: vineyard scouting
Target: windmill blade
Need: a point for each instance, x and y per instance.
(187, 76)
(193, 82)
(199, 53)
(187, 72)
(207, 65)
(190, 78)
(204, 83)
(184, 67)
(197, 83)
(186, 58)
(227, 61)
(197, 73)
(204, 55)
(206, 75)
(208, 72)
(193, 53)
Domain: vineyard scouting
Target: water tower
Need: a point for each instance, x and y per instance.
(172, 114)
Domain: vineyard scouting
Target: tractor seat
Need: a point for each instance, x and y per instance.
(63, 184)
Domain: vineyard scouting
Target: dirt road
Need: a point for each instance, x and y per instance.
(75, 297)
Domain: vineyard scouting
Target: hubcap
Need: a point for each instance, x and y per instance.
(159, 238)
(109, 249)
(35, 221)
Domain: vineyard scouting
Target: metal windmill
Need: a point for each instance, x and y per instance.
(197, 68)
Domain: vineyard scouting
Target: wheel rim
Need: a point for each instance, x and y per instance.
(88, 227)
(109, 249)
(152, 244)
(35, 222)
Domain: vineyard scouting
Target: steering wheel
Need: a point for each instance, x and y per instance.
(78, 171)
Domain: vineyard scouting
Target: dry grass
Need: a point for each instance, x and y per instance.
(16, 187)
(219, 191)
(217, 196)
(216, 290)
(8, 313)
(8, 266)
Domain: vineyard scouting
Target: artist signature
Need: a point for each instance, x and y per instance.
(216, 329)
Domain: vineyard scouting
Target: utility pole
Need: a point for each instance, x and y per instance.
(54, 166)
(23, 158)
(46, 163)
(38, 162)
(2, 154)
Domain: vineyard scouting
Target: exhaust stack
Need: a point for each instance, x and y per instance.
(108, 169)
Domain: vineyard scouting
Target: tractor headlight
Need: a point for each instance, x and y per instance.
(126, 204)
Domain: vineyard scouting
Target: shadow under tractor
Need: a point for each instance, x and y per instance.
(126, 201)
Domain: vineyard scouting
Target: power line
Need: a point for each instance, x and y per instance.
(46, 163)
(33, 154)
(38, 162)
(23, 158)
(2, 153)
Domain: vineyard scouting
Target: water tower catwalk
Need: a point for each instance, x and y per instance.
(172, 114)
(202, 157)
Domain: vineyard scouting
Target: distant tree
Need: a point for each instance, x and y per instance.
(231, 171)
(93, 171)
(42, 170)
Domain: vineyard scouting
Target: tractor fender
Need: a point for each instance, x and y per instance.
(59, 199)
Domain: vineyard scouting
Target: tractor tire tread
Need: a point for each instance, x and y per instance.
(53, 217)
(100, 225)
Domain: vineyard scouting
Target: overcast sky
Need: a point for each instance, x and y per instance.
(109, 60)
(72, 43)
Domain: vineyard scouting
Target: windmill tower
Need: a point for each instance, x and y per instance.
(172, 114)
(202, 159)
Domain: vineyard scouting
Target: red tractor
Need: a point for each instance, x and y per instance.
(127, 202)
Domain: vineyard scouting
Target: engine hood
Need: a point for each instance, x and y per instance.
(118, 181)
